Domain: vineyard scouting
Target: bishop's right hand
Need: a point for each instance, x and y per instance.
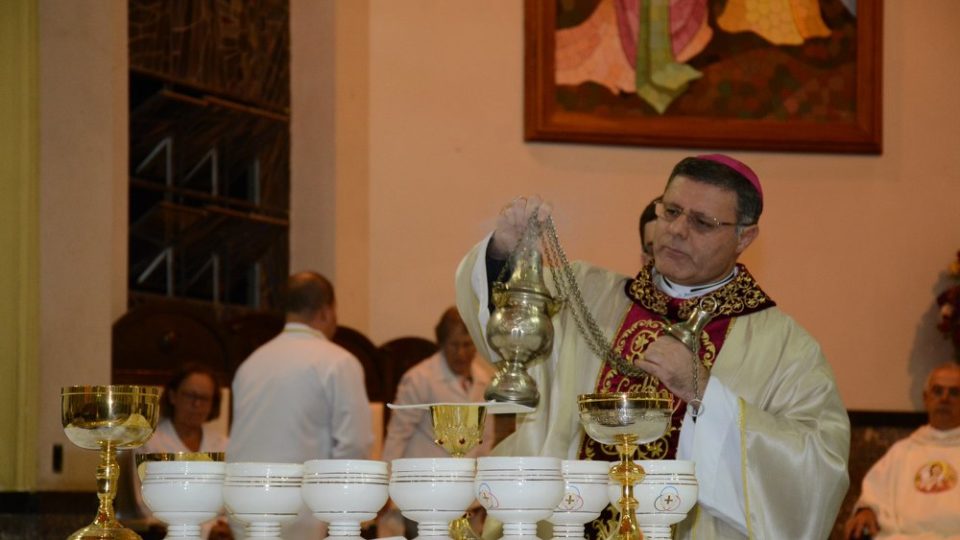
(512, 222)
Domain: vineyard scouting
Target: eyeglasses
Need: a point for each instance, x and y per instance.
(700, 223)
(194, 397)
(941, 391)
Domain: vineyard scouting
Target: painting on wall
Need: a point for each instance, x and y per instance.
(779, 75)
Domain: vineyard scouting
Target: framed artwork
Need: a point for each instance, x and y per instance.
(779, 75)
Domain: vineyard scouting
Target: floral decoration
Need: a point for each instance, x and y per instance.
(949, 302)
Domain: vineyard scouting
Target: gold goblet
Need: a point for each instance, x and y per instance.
(626, 420)
(458, 429)
(108, 418)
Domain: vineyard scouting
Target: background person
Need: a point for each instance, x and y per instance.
(450, 375)
(191, 399)
(912, 491)
(647, 218)
(300, 396)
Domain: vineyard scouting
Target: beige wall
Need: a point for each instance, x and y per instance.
(854, 247)
(403, 156)
(83, 212)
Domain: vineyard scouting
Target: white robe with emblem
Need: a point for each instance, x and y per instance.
(771, 448)
(913, 489)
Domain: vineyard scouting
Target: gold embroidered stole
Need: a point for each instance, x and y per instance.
(646, 320)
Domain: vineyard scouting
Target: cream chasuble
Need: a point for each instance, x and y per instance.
(771, 448)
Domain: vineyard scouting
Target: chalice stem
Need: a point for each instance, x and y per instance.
(627, 473)
(108, 471)
(629, 529)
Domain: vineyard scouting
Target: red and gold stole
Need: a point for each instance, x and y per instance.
(645, 321)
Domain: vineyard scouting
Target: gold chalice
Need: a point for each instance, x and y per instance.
(626, 420)
(458, 429)
(108, 418)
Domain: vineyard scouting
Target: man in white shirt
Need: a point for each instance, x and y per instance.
(300, 396)
(912, 492)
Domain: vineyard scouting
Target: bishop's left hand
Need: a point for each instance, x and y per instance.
(672, 362)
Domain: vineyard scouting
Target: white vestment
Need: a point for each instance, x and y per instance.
(296, 398)
(771, 447)
(410, 431)
(913, 489)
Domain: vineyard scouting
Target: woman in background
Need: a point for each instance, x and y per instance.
(191, 399)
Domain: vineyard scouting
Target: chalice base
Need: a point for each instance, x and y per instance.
(656, 532)
(518, 531)
(568, 531)
(106, 531)
(434, 530)
(263, 530)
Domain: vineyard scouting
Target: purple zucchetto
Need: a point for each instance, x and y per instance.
(738, 166)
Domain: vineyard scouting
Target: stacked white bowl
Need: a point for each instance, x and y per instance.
(519, 491)
(432, 491)
(585, 496)
(183, 494)
(263, 496)
(344, 493)
(664, 497)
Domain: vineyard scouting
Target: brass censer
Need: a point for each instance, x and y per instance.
(520, 329)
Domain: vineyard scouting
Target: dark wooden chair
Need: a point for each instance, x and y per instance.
(151, 341)
(370, 357)
(399, 355)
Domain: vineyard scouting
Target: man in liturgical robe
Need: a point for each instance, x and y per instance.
(771, 437)
(913, 492)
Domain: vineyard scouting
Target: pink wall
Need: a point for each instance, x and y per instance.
(855, 247)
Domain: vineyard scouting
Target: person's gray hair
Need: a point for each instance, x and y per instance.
(945, 366)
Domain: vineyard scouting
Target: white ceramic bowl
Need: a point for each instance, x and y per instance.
(183, 494)
(432, 491)
(344, 492)
(263, 495)
(519, 490)
(585, 496)
(665, 495)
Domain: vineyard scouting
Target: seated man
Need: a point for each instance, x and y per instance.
(912, 491)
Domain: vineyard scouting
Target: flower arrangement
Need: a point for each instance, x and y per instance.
(949, 302)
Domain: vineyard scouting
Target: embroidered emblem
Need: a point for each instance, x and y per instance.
(935, 477)
(486, 497)
(668, 500)
(572, 501)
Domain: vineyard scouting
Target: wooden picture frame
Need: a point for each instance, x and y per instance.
(592, 113)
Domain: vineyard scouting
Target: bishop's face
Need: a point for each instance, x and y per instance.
(691, 257)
